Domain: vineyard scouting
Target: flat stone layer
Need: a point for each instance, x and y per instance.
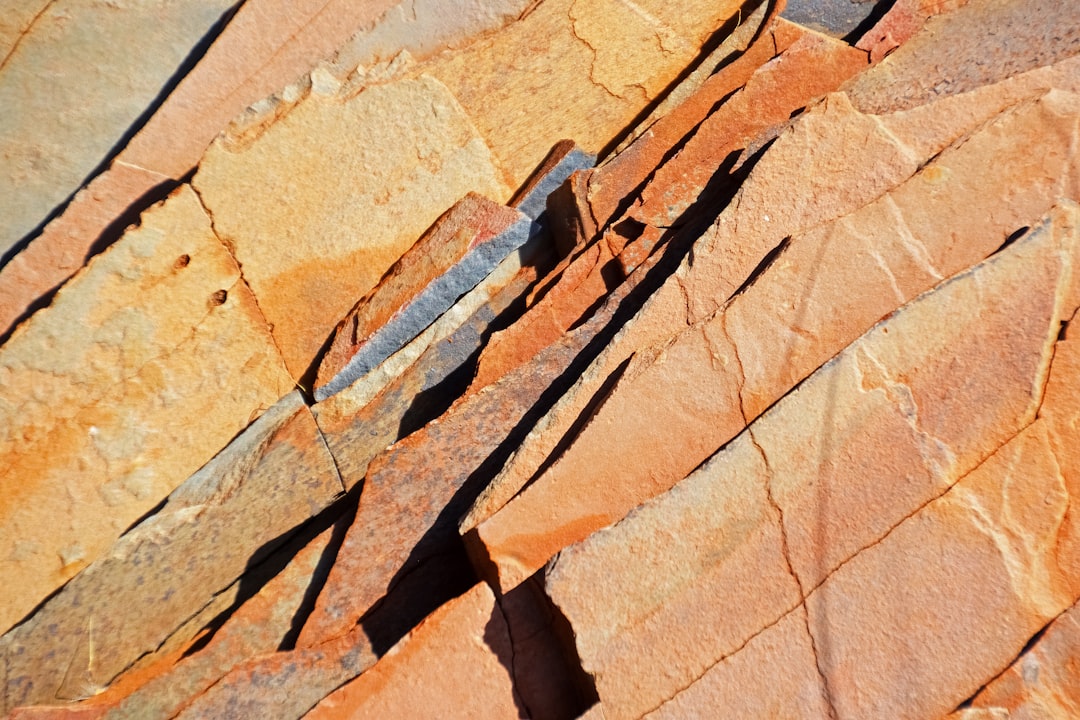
(147, 363)
(714, 574)
(780, 328)
(457, 660)
(462, 248)
(313, 240)
(234, 510)
(72, 82)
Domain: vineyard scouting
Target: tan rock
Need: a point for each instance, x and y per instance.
(310, 248)
(599, 63)
(227, 516)
(1040, 32)
(145, 365)
(266, 46)
(258, 626)
(51, 141)
(458, 660)
(752, 352)
(786, 519)
(1043, 682)
(29, 278)
(747, 685)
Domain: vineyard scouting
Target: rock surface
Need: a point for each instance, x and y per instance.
(309, 249)
(145, 365)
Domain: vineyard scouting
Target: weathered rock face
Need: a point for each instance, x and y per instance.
(146, 364)
(810, 518)
(673, 360)
(304, 251)
(74, 78)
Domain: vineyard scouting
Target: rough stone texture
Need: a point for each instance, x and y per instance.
(311, 247)
(900, 23)
(145, 365)
(266, 45)
(783, 326)
(622, 176)
(64, 244)
(456, 664)
(258, 626)
(103, 63)
(460, 250)
(599, 63)
(1044, 682)
(839, 18)
(227, 516)
(936, 61)
(790, 520)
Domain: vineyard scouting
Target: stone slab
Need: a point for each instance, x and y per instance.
(1043, 682)
(147, 363)
(105, 63)
(460, 250)
(275, 476)
(601, 63)
(730, 372)
(727, 554)
(316, 246)
(457, 660)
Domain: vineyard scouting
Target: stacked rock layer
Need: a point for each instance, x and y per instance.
(545, 359)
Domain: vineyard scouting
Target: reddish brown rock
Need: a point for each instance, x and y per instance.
(258, 626)
(601, 63)
(742, 360)
(146, 364)
(463, 245)
(458, 660)
(937, 61)
(789, 517)
(1044, 682)
(900, 23)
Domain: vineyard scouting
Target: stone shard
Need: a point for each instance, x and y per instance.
(1043, 682)
(458, 660)
(52, 141)
(145, 365)
(903, 20)
(310, 248)
(600, 63)
(780, 328)
(227, 516)
(418, 488)
(807, 536)
(460, 249)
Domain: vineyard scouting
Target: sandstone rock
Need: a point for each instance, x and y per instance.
(458, 660)
(460, 249)
(103, 65)
(780, 329)
(903, 20)
(1042, 683)
(266, 46)
(486, 303)
(315, 246)
(600, 63)
(787, 518)
(227, 516)
(418, 488)
(937, 61)
(145, 365)
(64, 244)
(258, 626)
